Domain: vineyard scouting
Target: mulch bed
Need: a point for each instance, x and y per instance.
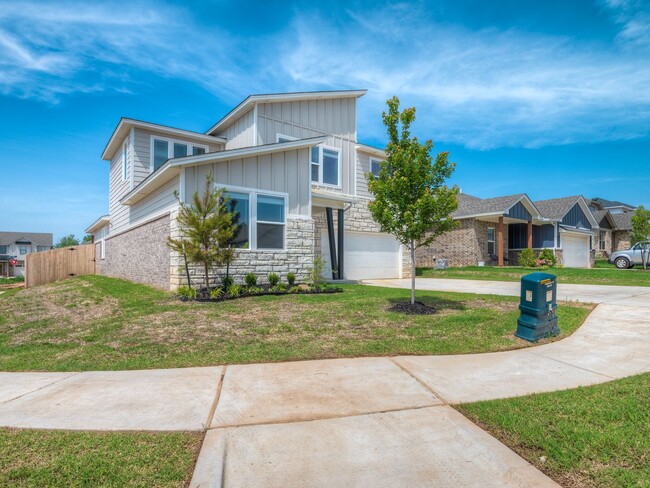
(418, 308)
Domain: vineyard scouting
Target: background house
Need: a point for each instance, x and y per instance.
(17, 245)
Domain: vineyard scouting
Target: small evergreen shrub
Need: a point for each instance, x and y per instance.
(315, 276)
(547, 258)
(527, 258)
(227, 281)
(186, 293)
(234, 290)
(274, 279)
(291, 279)
(250, 279)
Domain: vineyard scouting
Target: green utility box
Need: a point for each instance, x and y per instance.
(537, 305)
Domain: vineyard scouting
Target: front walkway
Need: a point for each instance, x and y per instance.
(346, 422)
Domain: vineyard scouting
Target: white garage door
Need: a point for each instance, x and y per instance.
(575, 250)
(367, 256)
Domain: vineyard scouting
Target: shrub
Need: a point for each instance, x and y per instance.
(547, 258)
(216, 293)
(186, 293)
(291, 279)
(250, 279)
(294, 289)
(234, 290)
(315, 273)
(227, 281)
(527, 258)
(274, 279)
(280, 287)
(255, 290)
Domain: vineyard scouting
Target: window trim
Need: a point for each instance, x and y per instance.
(376, 160)
(493, 241)
(279, 136)
(170, 148)
(320, 166)
(252, 227)
(125, 160)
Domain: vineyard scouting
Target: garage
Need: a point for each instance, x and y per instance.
(367, 256)
(575, 250)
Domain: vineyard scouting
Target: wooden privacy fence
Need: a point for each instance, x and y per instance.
(59, 264)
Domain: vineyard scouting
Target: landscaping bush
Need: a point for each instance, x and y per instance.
(274, 279)
(216, 293)
(227, 282)
(186, 293)
(250, 279)
(315, 273)
(234, 290)
(280, 287)
(547, 258)
(291, 279)
(527, 258)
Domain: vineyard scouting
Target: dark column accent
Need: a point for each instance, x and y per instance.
(330, 235)
(341, 230)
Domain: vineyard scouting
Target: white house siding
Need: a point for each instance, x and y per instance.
(334, 118)
(117, 188)
(286, 172)
(363, 167)
(142, 155)
(241, 133)
(160, 200)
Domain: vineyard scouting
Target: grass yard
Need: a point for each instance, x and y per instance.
(594, 436)
(55, 458)
(602, 274)
(100, 323)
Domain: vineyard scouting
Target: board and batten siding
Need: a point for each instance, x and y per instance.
(333, 118)
(160, 200)
(117, 188)
(363, 167)
(241, 133)
(142, 159)
(286, 172)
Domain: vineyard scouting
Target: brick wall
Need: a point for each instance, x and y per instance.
(139, 254)
(621, 240)
(464, 246)
(596, 243)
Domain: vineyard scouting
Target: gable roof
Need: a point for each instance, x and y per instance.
(612, 203)
(251, 100)
(557, 208)
(125, 124)
(38, 238)
(471, 206)
(623, 221)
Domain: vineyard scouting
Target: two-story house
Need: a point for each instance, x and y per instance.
(290, 163)
(14, 246)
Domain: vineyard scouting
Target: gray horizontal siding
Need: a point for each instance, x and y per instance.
(286, 172)
(162, 199)
(117, 188)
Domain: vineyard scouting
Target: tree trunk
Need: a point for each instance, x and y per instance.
(187, 272)
(412, 273)
(207, 276)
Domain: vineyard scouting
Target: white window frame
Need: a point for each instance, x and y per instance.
(170, 148)
(125, 160)
(602, 239)
(320, 166)
(494, 241)
(375, 160)
(279, 136)
(252, 227)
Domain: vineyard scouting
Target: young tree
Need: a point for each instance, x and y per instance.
(641, 232)
(66, 241)
(206, 228)
(411, 201)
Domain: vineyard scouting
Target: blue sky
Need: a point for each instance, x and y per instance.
(549, 98)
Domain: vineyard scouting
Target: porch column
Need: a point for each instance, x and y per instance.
(500, 242)
(332, 242)
(341, 224)
(530, 234)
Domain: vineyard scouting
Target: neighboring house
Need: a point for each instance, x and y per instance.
(621, 234)
(613, 206)
(496, 230)
(14, 246)
(292, 166)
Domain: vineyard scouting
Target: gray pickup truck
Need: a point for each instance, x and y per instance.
(627, 258)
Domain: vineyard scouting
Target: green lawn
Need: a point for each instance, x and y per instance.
(602, 274)
(100, 323)
(593, 436)
(53, 458)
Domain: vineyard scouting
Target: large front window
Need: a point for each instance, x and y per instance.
(240, 204)
(260, 219)
(270, 222)
(490, 240)
(164, 149)
(325, 167)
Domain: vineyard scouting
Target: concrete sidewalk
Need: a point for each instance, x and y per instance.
(352, 422)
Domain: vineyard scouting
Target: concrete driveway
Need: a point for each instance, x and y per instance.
(347, 422)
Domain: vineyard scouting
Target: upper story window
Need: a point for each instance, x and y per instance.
(163, 149)
(326, 165)
(22, 249)
(124, 161)
(3, 249)
(282, 138)
(374, 166)
(261, 219)
(42, 248)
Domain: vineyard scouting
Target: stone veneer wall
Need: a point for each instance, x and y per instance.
(621, 240)
(464, 246)
(596, 241)
(297, 257)
(139, 254)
